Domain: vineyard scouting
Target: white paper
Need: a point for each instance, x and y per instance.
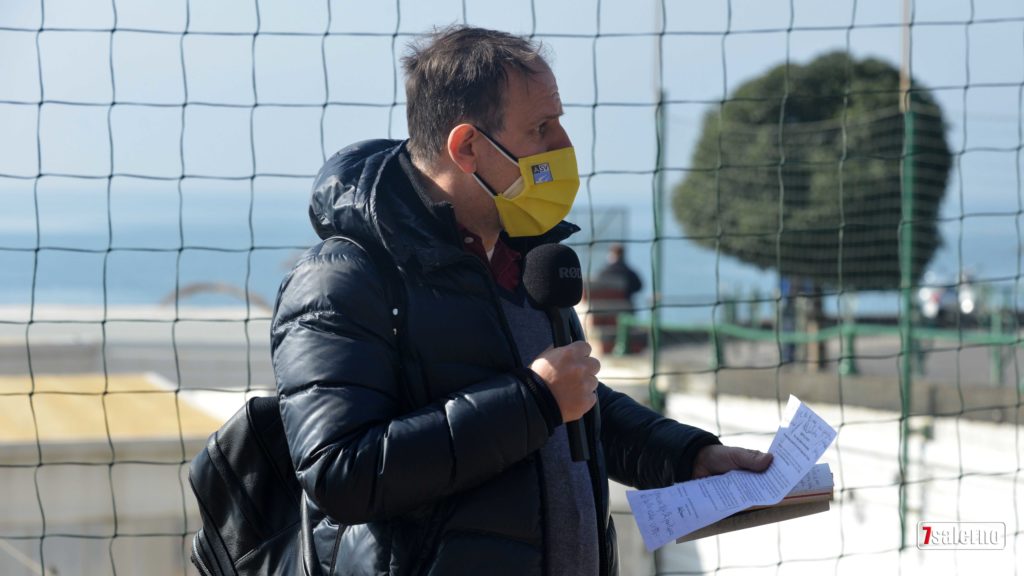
(787, 416)
(819, 477)
(665, 514)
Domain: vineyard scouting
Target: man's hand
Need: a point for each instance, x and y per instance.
(571, 375)
(718, 459)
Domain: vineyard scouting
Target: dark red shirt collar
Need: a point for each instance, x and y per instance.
(504, 263)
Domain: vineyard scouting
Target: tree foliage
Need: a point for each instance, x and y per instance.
(800, 170)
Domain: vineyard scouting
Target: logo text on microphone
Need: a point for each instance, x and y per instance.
(569, 272)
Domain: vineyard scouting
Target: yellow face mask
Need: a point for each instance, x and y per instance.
(542, 195)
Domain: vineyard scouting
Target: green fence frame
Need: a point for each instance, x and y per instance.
(847, 332)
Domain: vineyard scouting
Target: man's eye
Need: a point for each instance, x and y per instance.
(542, 128)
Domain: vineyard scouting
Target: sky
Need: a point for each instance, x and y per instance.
(315, 93)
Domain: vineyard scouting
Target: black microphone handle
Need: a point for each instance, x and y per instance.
(578, 446)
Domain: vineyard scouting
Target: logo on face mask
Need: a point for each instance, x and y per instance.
(541, 196)
(541, 173)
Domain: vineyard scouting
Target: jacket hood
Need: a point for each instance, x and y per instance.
(365, 192)
(340, 203)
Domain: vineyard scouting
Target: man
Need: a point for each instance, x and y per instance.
(619, 276)
(611, 294)
(421, 397)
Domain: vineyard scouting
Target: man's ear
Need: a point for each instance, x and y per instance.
(461, 142)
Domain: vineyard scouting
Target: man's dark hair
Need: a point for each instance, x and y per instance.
(459, 74)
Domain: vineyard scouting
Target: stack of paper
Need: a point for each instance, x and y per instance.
(810, 496)
(667, 514)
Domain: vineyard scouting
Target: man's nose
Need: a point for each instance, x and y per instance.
(559, 139)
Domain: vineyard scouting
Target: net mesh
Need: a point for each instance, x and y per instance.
(155, 163)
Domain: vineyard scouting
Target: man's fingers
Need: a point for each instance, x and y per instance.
(571, 374)
(753, 460)
(581, 348)
(718, 459)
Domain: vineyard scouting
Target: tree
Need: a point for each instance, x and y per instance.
(800, 171)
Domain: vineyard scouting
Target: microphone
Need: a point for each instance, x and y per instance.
(554, 282)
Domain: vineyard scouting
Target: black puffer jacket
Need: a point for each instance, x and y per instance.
(417, 451)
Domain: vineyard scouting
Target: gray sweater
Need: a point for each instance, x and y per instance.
(569, 509)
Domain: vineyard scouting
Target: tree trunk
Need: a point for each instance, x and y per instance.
(816, 353)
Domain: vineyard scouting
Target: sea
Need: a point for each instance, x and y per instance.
(143, 245)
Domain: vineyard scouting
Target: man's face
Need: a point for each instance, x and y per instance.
(532, 111)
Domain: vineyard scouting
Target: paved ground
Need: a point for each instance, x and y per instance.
(955, 380)
(214, 351)
(76, 408)
(217, 350)
(210, 350)
(946, 362)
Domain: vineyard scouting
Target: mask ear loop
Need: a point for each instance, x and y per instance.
(501, 149)
(484, 185)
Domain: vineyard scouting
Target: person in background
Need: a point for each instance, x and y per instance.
(422, 399)
(618, 275)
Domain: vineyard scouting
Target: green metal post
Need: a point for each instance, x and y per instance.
(848, 362)
(996, 351)
(755, 308)
(730, 308)
(918, 357)
(657, 400)
(716, 349)
(906, 318)
(622, 329)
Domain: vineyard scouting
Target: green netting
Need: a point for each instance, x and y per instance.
(797, 231)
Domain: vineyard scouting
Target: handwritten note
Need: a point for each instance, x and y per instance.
(665, 514)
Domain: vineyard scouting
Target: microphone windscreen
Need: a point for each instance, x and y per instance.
(552, 276)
